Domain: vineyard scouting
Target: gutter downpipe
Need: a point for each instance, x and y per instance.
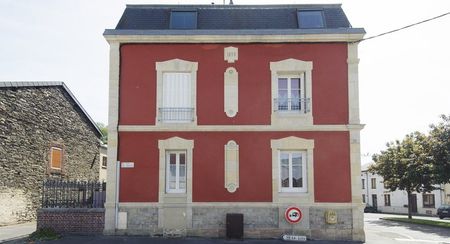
(117, 194)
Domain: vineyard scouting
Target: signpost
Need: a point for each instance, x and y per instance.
(293, 215)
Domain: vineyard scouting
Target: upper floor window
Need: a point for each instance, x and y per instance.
(291, 94)
(310, 19)
(293, 171)
(56, 157)
(176, 91)
(176, 102)
(373, 183)
(363, 181)
(183, 20)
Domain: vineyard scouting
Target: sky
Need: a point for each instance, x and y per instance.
(404, 77)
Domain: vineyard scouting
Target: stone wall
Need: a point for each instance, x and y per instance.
(259, 222)
(32, 120)
(72, 220)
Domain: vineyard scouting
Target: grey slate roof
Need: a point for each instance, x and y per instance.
(211, 19)
(18, 84)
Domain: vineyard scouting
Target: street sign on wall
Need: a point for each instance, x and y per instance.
(293, 215)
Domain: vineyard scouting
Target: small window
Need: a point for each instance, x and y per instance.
(104, 162)
(177, 98)
(363, 184)
(293, 171)
(56, 158)
(373, 183)
(310, 19)
(176, 172)
(183, 20)
(363, 198)
(387, 200)
(291, 94)
(428, 200)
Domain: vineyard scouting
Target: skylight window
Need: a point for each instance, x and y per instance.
(183, 20)
(310, 19)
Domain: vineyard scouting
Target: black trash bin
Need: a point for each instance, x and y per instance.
(235, 226)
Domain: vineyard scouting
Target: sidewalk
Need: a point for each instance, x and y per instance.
(12, 232)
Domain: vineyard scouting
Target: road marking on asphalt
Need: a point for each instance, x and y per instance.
(422, 241)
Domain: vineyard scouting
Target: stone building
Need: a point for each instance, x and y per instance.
(220, 109)
(44, 132)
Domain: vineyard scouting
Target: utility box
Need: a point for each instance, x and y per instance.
(235, 226)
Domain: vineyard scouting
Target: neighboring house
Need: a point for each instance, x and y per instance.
(374, 194)
(44, 133)
(103, 162)
(218, 109)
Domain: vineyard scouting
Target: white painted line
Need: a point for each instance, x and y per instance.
(421, 241)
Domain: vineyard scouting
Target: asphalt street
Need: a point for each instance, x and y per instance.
(388, 232)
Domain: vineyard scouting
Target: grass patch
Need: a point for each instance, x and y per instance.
(44, 234)
(420, 222)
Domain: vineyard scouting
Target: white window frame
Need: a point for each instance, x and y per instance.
(177, 175)
(293, 143)
(176, 66)
(289, 89)
(292, 68)
(304, 187)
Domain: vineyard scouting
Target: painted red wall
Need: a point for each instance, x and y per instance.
(140, 184)
(138, 80)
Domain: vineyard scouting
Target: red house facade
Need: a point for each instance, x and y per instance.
(234, 109)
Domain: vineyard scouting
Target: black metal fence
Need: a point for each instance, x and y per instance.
(73, 194)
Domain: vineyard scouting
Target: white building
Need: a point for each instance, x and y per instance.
(374, 194)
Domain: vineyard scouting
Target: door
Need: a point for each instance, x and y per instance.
(414, 203)
(374, 201)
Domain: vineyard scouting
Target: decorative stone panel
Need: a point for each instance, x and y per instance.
(231, 54)
(231, 166)
(231, 93)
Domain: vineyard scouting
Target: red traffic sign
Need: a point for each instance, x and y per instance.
(293, 215)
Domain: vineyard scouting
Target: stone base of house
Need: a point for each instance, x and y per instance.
(259, 222)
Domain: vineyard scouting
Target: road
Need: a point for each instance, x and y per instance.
(388, 232)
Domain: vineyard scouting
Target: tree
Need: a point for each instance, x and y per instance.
(440, 150)
(104, 130)
(406, 165)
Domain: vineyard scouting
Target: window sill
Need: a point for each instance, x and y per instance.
(174, 195)
(292, 194)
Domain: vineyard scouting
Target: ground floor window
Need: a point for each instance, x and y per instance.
(387, 200)
(363, 198)
(428, 200)
(176, 171)
(293, 171)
